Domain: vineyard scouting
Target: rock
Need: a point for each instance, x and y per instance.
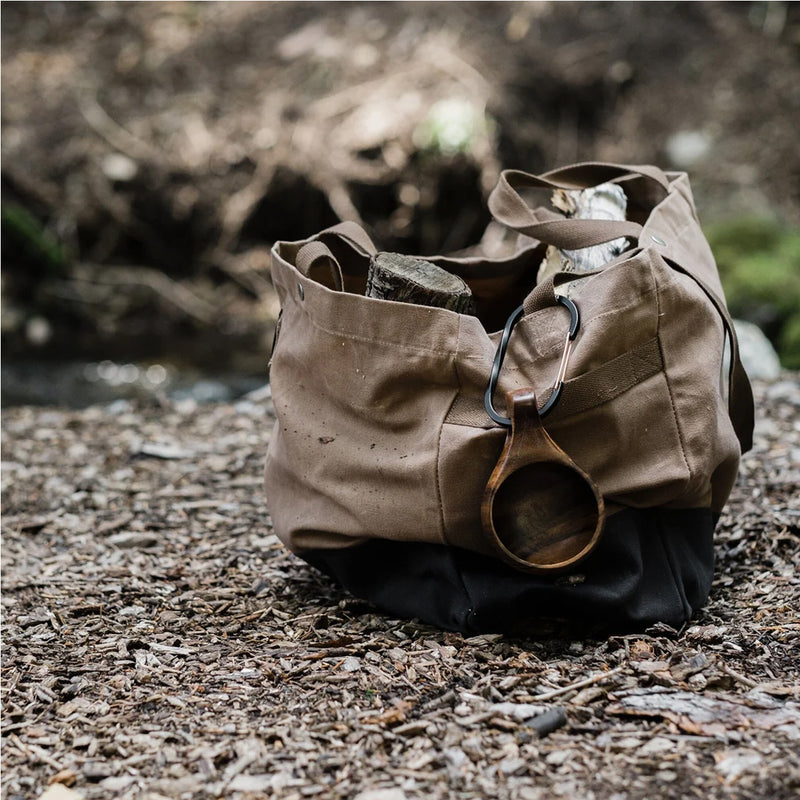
(549, 721)
(207, 391)
(785, 391)
(165, 451)
(512, 766)
(757, 353)
(38, 331)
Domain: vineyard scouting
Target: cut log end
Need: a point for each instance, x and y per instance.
(406, 279)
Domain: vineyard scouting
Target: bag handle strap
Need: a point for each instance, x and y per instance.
(508, 207)
(316, 261)
(592, 173)
(353, 234)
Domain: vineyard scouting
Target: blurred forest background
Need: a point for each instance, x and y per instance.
(153, 152)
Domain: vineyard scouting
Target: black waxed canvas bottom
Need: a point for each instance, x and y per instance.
(651, 565)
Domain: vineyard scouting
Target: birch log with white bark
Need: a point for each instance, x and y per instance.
(606, 202)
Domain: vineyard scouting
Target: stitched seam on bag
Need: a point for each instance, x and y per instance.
(679, 588)
(442, 527)
(304, 310)
(439, 351)
(472, 415)
(443, 531)
(558, 346)
(470, 615)
(669, 390)
(372, 340)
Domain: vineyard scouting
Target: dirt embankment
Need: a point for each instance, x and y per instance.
(151, 154)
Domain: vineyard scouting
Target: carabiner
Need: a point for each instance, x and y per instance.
(574, 324)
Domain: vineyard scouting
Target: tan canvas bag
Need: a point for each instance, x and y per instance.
(383, 447)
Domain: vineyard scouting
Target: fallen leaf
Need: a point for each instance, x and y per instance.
(393, 716)
(65, 777)
(642, 651)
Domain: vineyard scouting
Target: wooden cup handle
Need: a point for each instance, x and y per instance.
(540, 510)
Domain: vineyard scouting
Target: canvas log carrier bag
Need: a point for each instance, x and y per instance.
(563, 451)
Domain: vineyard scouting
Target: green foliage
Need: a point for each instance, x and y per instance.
(26, 239)
(790, 343)
(759, 263)
(452, 126)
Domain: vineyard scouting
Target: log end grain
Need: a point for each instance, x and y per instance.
(406, 279)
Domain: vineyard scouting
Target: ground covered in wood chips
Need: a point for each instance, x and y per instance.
(158, 642)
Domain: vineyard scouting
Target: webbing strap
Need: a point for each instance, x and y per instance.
(610, 380)
(591, 173)
(354, 234)
(582, 392)
(508, 207)
(316, 261)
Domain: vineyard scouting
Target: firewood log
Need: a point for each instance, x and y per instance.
(406, 279)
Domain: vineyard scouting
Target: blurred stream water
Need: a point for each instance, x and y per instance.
(78, 384)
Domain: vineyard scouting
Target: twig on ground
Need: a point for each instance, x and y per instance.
(577, 685)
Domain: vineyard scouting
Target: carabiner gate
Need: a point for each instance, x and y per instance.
(516, 315)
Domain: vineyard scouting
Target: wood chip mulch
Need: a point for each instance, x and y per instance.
(158, 642)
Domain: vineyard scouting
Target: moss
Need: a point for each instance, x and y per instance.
(789, 343)
(759, 264)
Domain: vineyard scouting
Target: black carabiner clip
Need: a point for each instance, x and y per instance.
(574, 324)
